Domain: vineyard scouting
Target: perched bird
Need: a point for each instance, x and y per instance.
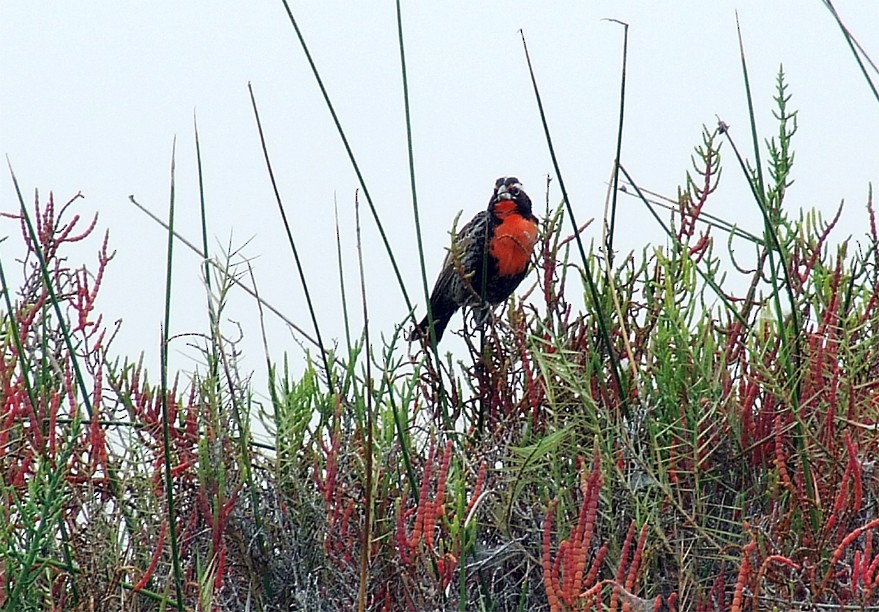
(498, 240)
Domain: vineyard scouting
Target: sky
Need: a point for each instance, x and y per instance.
(94, 95)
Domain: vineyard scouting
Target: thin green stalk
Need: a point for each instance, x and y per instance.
(482, 371)
(166, 433)
(616, 170)
(411, 157)
(851, 44)
(320, 342)
(482, 366)
(342, 277)
(203, 209)
(204, 245)
(338, 124)
(65, 550)
(705, 218)
(245, 440)
(367, 511)
(424, 285)
(593, 290)
(760, 188)
(759, 191)
(212, 385)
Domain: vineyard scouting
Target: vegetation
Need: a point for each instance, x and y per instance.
(673, 445)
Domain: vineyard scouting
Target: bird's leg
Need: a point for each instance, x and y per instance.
(481, 315)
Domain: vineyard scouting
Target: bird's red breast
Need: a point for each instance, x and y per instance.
(513, 241)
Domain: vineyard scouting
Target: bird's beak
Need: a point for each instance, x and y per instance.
(504, 191)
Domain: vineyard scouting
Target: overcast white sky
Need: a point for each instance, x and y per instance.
(93, 94)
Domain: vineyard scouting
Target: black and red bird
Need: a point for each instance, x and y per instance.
(498, 240)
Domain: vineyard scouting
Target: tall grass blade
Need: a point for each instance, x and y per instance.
(302, 279)
(342, 277)
(616, 170)
(593, 290)
(166, 434)
(367, 510)
(206, 267)
(769, 221)
(705, 218)
(411, 154)
(855, 47)
(414, 191)
(361, 180)
(201, 201)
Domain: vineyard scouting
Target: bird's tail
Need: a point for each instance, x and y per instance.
(422, 331)
(442, 313)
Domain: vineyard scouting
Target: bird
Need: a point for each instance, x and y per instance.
(498, 240)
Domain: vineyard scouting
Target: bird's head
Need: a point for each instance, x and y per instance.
(509, 197)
